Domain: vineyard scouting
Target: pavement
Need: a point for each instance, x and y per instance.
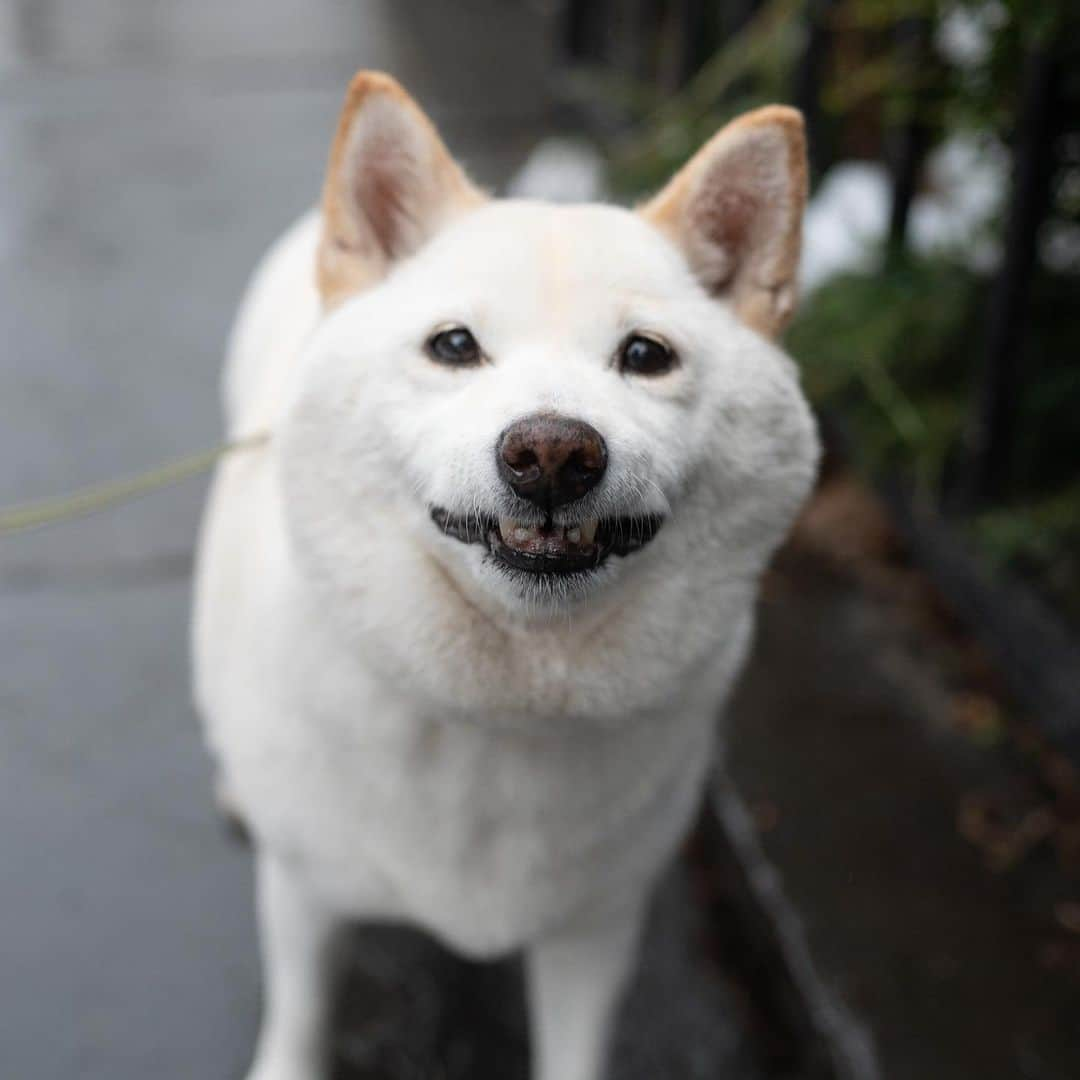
(899, 810)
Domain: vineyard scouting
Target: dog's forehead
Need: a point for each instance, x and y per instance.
(572, 249)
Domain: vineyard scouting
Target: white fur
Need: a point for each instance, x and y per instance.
(408, 735)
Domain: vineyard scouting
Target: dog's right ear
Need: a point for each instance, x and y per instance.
(735, 210)
(390, 185)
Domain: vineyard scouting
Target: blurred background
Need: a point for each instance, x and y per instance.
(886, 880)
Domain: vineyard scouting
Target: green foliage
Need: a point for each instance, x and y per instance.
(752, 68)
(887, 350)
(875, 70)
(1039, 538)
(893, 354)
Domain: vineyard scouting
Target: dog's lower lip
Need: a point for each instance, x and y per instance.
(573, 549)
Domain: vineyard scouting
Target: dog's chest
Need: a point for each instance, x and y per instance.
(482, 835)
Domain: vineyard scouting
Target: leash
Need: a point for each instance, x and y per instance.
(89, 500)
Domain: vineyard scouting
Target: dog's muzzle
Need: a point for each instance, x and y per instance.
(550, 549)
(551, 462)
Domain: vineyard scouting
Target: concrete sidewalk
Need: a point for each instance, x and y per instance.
(866, 732)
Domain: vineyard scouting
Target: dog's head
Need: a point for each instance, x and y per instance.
(549, 403)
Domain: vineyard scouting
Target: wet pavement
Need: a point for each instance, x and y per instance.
(852, 742)
(412, 1010)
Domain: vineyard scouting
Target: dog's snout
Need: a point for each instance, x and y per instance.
(551, 460)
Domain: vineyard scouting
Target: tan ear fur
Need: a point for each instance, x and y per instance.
(735, 210)
(390, 185)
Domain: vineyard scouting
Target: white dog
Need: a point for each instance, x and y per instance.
(464, 625)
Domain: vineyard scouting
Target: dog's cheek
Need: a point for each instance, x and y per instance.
(441, 451)
(761, 454)
(331, 451)
(655, 446)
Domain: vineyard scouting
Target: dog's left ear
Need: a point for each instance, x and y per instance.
(735, 210)
(390, 185)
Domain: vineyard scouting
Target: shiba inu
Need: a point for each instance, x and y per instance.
(463, 627)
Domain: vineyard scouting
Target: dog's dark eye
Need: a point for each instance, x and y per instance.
(643, 354)
(454, 345)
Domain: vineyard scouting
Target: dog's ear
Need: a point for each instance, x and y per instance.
(735, 210)
(390, 185)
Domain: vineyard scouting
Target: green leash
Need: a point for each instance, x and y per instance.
(89, 500)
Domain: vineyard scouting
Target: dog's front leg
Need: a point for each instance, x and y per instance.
(295, 932)
(575, 984)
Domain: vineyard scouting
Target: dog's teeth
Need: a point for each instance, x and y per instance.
(588, 530)
(521, 533)
(574, 535)
(506, 527)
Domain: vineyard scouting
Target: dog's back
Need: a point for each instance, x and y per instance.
(280, 309)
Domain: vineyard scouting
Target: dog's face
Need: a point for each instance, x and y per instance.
(548, 403)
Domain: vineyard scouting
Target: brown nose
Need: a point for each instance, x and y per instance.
(551, 460)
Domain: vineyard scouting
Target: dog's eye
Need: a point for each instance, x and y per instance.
(454, 345)
(644, 354)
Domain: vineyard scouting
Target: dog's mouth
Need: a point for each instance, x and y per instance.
(549, 548)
